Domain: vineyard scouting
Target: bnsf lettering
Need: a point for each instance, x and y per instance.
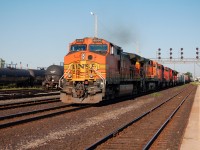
(82, 66)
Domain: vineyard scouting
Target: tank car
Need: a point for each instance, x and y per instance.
(52, 76)
(37, 76)
(15, 77)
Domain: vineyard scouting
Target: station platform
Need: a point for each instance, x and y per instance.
(191, 139)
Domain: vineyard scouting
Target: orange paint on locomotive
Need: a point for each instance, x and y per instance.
(166, 74)
(155, 69)
(137, 70)
(81, 64)
(88, 66)
(152, 69)
(160, 72)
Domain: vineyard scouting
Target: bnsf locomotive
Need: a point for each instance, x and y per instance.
(96, 70)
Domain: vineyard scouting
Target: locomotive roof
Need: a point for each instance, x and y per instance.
(137, 57)
(99, 39)
(132, 56)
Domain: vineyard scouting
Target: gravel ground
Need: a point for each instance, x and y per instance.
(78, 130)
(174, 131)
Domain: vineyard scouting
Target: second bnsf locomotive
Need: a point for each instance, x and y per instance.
(96, 70)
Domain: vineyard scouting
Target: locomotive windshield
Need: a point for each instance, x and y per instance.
(98, 48)
(78, 47)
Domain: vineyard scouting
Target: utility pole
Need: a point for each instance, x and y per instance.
(95, 24)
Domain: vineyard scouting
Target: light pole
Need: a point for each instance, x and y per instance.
(95, 24)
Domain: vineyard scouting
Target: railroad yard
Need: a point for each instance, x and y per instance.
(101, 75)
(132, 123)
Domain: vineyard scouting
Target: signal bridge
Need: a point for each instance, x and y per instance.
(180, 60)
(174, 61)
(177, 60)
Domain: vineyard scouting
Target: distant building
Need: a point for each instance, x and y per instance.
(197, 79)
(2, 63)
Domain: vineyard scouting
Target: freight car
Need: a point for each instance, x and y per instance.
(96, 70)
(36, 76)
(183, 78)
(20, 77)
(52, 75)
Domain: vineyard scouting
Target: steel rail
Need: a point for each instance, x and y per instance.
(27, 103)
(9, 124)
(18, 96)
(150, 142)
(31, 112)
(112, 134)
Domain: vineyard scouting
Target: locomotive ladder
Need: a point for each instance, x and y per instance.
(64, 75)
(99, 74)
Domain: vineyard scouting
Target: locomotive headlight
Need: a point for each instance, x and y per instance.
(69, 75)
(91, 75)
(101, 85)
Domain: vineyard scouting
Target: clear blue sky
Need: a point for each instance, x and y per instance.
(38, 32)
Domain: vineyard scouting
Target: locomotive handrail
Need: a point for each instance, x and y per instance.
(99, 74)
(64, 75)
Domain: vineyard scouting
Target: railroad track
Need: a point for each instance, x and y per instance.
(24, 117)
(27, 103)
(25, 94)
(144, 130)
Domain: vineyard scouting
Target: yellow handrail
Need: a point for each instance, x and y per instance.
(64, 75)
